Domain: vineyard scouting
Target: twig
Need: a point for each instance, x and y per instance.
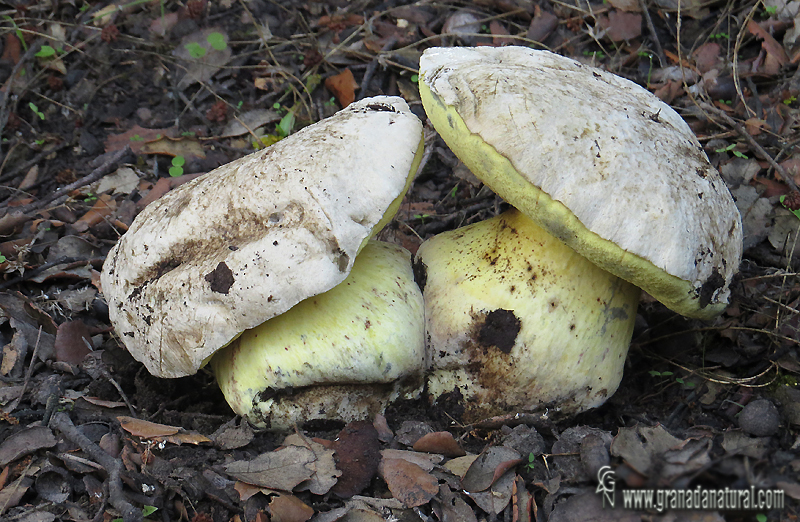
(373, 65)
(652, 28)
(753, 143)
(4, 110)
(113, 467)
(50, 264)
(99, 172)
(29, 372)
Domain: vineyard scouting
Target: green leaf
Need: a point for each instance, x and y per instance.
(178, 161)
(195, 50)
(148, 510)
(36, 110)
(286, 124)
(217, 41)
(415, 78)
(3, 258)
(176, 171)
(739, 154)
(46, 52)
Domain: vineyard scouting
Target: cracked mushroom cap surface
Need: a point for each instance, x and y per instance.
(344, 354)
(597, 161)
(251, 239)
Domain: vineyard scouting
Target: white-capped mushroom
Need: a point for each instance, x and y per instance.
(603, 166)
(251, 239)
(342, 355)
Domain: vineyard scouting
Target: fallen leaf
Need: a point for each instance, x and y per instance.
(249, 121)
(342, 86)
(123, 181)
(102, 208)
(426, 461)
(230, 436)
(73, 342)
(281, 469)
(489, 467)
(452, 508)
(542, 24)
(409, 483)
(288, 508)
(459, 466)
(441, 442)
(769, 44)
(146, 429)
(204, 59)
(325, 473)
(498, 495)
(25, 442)
(640, 445)
(135, 138)
(358, 455)
(500, 34)
(186, 147)
(621, 26)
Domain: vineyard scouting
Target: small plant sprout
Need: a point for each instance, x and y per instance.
(45, 52)
(720, 36)
(136, 137)
(36, 110)
(90, 197)
(3, 258)
(177, 166)
(770, 10)
(654, 373)
(415, 78)
(196, 50)
(730, 148)
(217, 41)
(531, 462)
(790, 100)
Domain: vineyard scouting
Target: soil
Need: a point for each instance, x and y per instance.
(106, 107)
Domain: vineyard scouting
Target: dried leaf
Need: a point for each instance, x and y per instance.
(204, 59)
(489, 467)
(426, 461)
(358, 453)
(325, 472)
(186, 147)
(441, 442)
(409, 483)
(288, 508)
(452, 508)
(25, 442)
(73, 342)
(639, 445)
(342, 86)
(135, 138)
(249, 121)
(773, 48)
(621, 26)
(282, 469)
(496, 498)
(146, 429)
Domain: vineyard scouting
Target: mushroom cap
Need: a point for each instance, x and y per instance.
(519, 322)
(251, 239)
(596, 160)
(343, 354)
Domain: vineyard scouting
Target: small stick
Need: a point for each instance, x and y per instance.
(753, 143)
(652, 28)
(93, 176)
(113, 466)
(29, 372)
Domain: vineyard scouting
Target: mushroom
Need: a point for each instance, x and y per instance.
(342, 355)
(600, 164)
(251, 239)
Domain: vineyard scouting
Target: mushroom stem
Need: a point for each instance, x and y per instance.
(519, 322)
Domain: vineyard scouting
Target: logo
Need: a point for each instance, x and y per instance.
(606, 481)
